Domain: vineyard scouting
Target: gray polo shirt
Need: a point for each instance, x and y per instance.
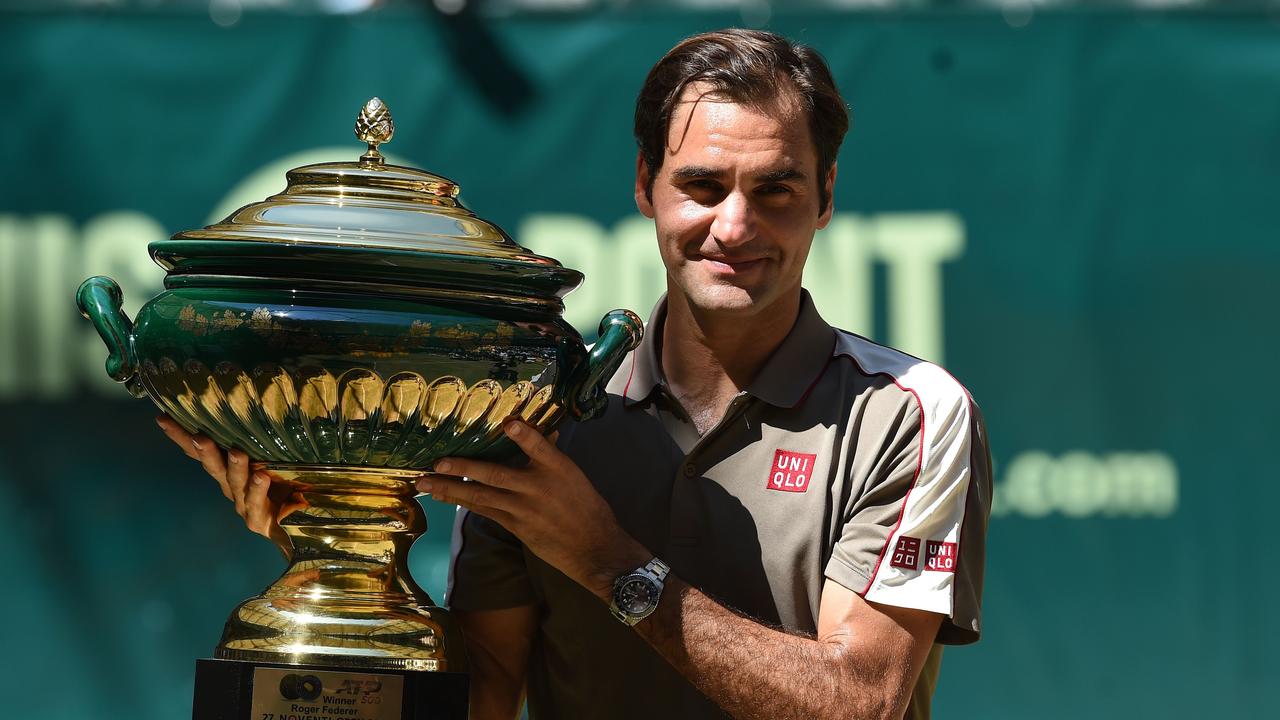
(845, 461)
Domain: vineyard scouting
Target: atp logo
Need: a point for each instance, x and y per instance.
(352, 686)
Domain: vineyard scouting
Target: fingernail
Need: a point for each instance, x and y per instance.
(424, 486)
(197, 444)
(234, 458)
(514, 428)
(443, 466)
(160, 420)
(258, 479)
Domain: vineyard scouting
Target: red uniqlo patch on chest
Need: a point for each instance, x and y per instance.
(907, 553)
(940, 556)
(791, 471)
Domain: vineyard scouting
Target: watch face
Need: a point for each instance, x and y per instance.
(636, 595)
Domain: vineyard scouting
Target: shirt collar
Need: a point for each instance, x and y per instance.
(645, 375)
(785, 378)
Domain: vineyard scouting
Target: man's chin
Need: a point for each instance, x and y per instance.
(727, 300)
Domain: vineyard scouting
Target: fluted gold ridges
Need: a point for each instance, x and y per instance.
(356, 419)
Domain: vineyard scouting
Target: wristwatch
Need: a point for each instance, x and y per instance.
(635, 595)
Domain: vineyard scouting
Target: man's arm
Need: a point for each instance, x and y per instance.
(498, 644)
(863, 664)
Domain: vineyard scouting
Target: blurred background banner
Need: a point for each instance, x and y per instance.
(1071, 205)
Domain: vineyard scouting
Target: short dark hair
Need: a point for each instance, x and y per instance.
(751, 67)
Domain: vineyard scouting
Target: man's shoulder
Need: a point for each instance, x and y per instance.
(911, 379)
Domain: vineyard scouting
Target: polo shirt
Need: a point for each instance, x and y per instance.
(844, 460)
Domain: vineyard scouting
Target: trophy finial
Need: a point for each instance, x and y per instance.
(374, 126)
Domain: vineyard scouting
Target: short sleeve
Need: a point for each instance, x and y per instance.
(487, 568)
(915, 534)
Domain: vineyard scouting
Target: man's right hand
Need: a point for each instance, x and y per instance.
(251, 492)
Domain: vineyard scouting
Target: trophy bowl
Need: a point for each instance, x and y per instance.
(346, 334)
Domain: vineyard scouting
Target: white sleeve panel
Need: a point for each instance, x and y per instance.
(917, 567)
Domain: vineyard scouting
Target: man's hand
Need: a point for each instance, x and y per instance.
(251, 492)
(549, 504)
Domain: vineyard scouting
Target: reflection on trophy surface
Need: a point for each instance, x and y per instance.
(346, 333)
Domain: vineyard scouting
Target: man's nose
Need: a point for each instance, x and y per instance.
(735, 222)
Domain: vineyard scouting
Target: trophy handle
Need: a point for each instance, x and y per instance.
(620, 333)
(100, 301)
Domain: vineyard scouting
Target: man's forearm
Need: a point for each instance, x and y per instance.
(753, 671)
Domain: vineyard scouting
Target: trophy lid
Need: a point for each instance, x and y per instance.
(386, 226)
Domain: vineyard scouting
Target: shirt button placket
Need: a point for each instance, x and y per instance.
(690, 471)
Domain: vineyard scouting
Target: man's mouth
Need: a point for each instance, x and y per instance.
(731, 265)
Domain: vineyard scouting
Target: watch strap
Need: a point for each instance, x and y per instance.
(656, 569)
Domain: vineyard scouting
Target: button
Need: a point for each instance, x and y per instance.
(690, 471)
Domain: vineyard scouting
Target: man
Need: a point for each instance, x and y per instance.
(774, 518)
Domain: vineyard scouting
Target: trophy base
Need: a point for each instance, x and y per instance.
(240, 690)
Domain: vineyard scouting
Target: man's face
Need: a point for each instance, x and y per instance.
(735, 202)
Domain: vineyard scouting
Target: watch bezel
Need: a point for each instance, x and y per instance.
(627, 616)
(652, 589)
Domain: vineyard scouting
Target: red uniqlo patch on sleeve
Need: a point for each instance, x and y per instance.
(940, 556)
(907, 553)
(791, 471)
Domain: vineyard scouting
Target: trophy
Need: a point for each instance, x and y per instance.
(347, 333)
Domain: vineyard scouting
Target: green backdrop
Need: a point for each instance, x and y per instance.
(1076, 214)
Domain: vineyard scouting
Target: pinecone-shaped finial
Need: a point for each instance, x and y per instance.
(374, 126)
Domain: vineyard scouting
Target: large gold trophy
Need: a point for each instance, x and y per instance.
(346, 334)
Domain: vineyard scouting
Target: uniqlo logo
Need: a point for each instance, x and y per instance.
(940, 556)
(907, 553)
(791, 471)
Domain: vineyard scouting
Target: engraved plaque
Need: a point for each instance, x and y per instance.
(301, 694)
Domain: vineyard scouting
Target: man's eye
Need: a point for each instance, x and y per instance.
(773, 189)
(703, 191)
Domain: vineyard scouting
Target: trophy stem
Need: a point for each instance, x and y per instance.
(347, 597)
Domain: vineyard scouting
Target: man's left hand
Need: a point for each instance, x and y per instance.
(549, 504)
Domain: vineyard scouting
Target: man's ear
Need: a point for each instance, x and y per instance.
(830, 180)
(643, 203)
